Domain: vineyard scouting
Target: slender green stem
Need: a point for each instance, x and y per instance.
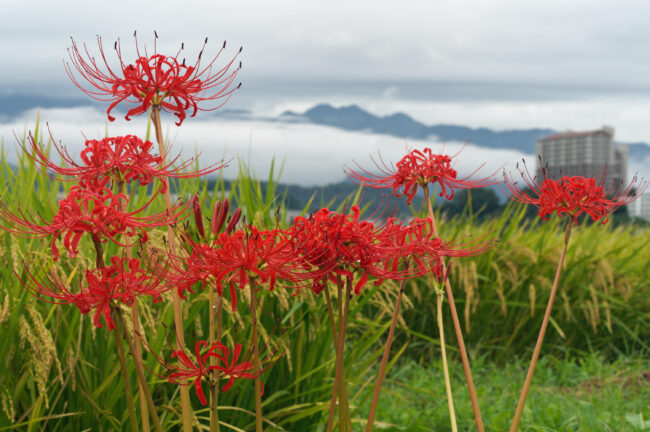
(542, 332)
(214, 377)
(384, 360)
(339, 376)
(344, 407)
(186, 407)
(135, 318)
(256, 362)
(138, 368)
(125, 380)
(445, 367)
(99, 262)
(330, 418)
(137, 340)
(330, 313)
(459, 333)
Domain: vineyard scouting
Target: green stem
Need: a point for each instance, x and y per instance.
(339, 376)
(214, 378)
(330, 417)
(384, 360)
(445, 367)
(137, 340)
(256, 362)
(542, 332)
(99, 262)
(138, 369)
(459, 333)
(125, 380)
(186, 407)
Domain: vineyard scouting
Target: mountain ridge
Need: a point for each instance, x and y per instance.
(354, 118)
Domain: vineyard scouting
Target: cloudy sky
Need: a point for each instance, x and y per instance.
(502, 64)
(585, 43)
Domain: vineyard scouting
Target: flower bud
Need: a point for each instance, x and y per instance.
(232, 223)
(219, 216)
(198, 216)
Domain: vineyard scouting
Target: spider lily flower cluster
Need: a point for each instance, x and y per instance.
(118, 159)
(419, 168)
(230, 364)
(230, 256)
(572, 196)
(156, 80)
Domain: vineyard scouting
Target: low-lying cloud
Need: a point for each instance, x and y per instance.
(312, 154)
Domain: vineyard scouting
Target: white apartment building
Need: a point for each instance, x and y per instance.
(584, 154)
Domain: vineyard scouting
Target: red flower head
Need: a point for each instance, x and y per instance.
(122, 281)
(124, 159)
(573, 196)
(230, 366)
(264, 255)
(343, 244)
(419, 168)
(160, 81)
(86, 211)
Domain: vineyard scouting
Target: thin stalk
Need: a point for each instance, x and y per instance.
(384, 360)
(339, 377)
(256, 362)
(99, 261)
(125, 380)
(214, 378)
(445, 367)
(135, 318)
(186, 408)
(138, 369)
(542, 332)
(330, 312)
(137, 340)
(459, 333)
(344, 407)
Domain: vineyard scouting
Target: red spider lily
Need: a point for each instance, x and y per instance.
(230, 366)
(233, 259)
(122, 281)
(419, 168)
(573, 196)
(342, 244)
(160, 81)
(125, 159)
(415, 241)
(197, 265)
(86, 211)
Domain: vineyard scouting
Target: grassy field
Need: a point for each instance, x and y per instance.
(60, 373)
(579, 394)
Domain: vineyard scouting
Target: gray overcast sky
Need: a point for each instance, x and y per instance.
(562, 64)
(586, 43)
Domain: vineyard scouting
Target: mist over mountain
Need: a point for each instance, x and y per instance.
(401, 125)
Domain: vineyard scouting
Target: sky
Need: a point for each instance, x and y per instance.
(501, 64)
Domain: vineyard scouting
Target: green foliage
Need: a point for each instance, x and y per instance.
(602, 302)
(60, 373)
(588, 394)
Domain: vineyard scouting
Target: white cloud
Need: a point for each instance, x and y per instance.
(313, 155)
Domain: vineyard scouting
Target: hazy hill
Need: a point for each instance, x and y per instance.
(401, 125)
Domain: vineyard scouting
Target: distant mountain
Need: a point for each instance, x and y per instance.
(12, 105)
(401, 125)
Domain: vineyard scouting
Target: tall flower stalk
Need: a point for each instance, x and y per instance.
(570, 197)
(153, 83)
(421, 168)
